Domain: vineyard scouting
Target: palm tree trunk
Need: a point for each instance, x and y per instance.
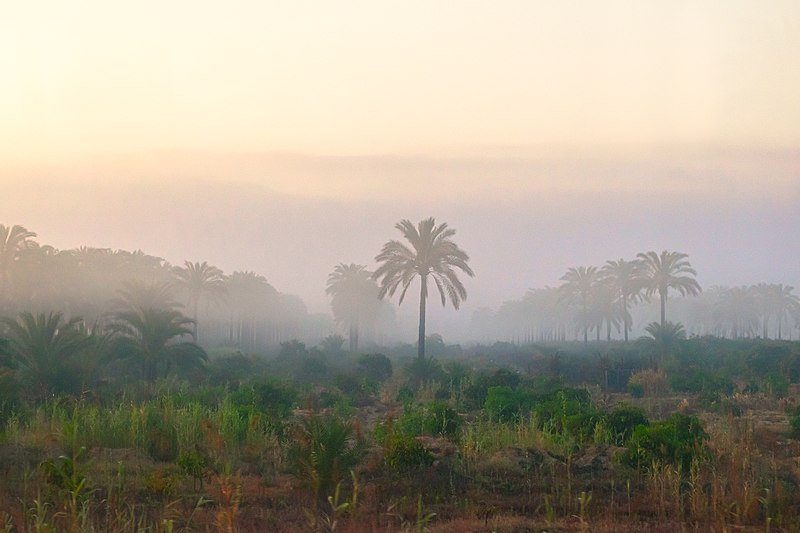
(625, 324)
(353, 338)
(585, 323)
(663, 295)
(194, 334)
(423, 293)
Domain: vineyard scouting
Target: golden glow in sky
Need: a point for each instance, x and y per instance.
(92, 77)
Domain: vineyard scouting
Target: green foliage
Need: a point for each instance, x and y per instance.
(322, 450)
(404, 453)
(622, 422)
(695, 380)
(273, 398)
(424, 370)
(504, 403)
(776, 385)
(44, 349)
(161, 436)
(195, 465)
(477, 391)
(435, 419)
(794, 426)
(570, 411)
(65, 473)
(677, 441)
(636, 390)
(375, 367)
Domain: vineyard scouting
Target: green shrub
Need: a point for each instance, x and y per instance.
(677, 441)
(794, 425)
(636, 390)
(161, 436)
(322, 450)
(622, 422)
(404, 453)
(435, 419)
(375, 367)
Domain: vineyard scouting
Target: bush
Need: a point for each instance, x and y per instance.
(375, 367)
(622, 422)
(323, 449)
(161, 437)
(636, 390)
(677, 441)
(404, 453)
(652, 382)
(435, 419)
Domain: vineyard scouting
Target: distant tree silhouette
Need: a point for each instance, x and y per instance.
(42, 347)
(354, 298)
(625, 278)
(665, 337)
(12, 241)
(736, 310)
(664, 271)
(432, 254)
(783, 303)
(578, 287)
(148, 328)
(199, 280)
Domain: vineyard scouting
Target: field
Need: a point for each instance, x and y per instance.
(503, 438)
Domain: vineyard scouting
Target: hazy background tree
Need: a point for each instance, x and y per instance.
(44, 348)
(625, 278)
(199, 280)
(149, 331)
(668, 270)
(13, 240)
(432, 253)
(354, 299)
(578, 288)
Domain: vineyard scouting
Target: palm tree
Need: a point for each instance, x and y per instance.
(148, 329)
(199, 280)
(151, 337)
(12, 241)
(354, 298)
(580, 285)
(432, 254)
(668, 270)
(43, 347)
(625, 278)
(605, 309)
(665, 337)
(252, 301)
(783, 303)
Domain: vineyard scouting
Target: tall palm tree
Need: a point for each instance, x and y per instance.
(354, 298)
(625, 277)
(199, 280)
(668, 270)
(432, 254)
(579, 285)
(42, 347)
(12, 240)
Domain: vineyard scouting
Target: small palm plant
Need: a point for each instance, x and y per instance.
(324, 449)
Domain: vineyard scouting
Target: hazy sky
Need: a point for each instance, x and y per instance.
(286, 137)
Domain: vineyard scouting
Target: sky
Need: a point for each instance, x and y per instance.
(287, 137)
